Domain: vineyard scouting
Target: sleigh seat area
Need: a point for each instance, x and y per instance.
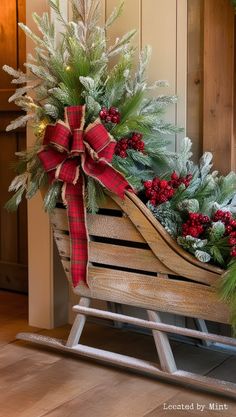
(133, 261)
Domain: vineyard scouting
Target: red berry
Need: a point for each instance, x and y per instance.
(148, 184)
(233, 223)
(113, 111)
(233, 252)
(115, 119)
(155, 181)
(232, 241)
(103, 113)
(163, 184)
(123, 154)
(174, 176)
(108, 119)
(153, 201)
(228, 229)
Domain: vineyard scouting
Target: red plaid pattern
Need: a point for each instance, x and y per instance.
(62, 143)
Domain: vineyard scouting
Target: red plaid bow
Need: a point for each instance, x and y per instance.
(67, 149)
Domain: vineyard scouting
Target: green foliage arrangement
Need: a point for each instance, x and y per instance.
(196, 205)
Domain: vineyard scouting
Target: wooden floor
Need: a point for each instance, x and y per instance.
(36, 382)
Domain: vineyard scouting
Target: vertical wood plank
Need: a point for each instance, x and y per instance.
(181, 68)
(22, 215)
(8, 224)
(219, 82)
(128, 21)
(195, 75)
(234, 141)
(8, 44)
(41, 300)
(48, 292)
(21, 14)
(159, 28)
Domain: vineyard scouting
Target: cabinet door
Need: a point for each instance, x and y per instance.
(13, 226)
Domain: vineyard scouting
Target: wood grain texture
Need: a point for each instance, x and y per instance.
(13, 276)
(101, 226)
(8, 39)
(219, 82)
(159, 21)
(195, 75)
(8, 230)
(115, 284)
(184, 298)
(39, 382)
(162, 245)
(13, 230)
(116, 255)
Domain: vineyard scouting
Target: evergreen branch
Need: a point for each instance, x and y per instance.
(15, 200)
(227, 290)
(115, 15)
(95, 195)
(53, 196)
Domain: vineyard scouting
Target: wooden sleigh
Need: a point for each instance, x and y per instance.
(133, 261)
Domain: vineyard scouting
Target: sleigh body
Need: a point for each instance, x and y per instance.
(133, 261)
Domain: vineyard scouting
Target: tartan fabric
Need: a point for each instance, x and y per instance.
(97, 136)
(60, 159)
(67, 171)
(60, 138)
(50, 158)
(78, 231)
(77, 142)
(74, 117)
(108, 152)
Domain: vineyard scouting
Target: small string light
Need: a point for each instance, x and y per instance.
(68, 68)
(42, 125)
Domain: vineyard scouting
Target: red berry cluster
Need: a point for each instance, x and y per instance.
(111, 115)
(196, 225)
(134, 142)
(176, 180)
(158, 191)
(230, 227)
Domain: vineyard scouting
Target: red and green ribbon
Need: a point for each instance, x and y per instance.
(70, 151)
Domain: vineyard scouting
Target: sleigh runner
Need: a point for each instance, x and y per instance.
(133, 261)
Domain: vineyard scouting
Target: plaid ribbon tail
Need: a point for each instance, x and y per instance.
(79, 239)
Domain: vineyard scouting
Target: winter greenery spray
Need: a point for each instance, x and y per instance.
(195, 204)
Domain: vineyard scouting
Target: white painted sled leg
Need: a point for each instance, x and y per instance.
(167, 369)
(78, 325)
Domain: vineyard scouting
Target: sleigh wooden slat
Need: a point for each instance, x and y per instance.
(112, 227)
(168, 295)
(133, 261)
(116, 255)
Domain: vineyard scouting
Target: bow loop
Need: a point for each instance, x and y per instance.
(60, 137)
(50, 158)
(75, 117)
(68, 171)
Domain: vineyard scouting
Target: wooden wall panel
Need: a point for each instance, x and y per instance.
(160, 23)
(131, 19)
(195, 75)
(164, 28)
(219, 82)
(13, 227)
(8, 38)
